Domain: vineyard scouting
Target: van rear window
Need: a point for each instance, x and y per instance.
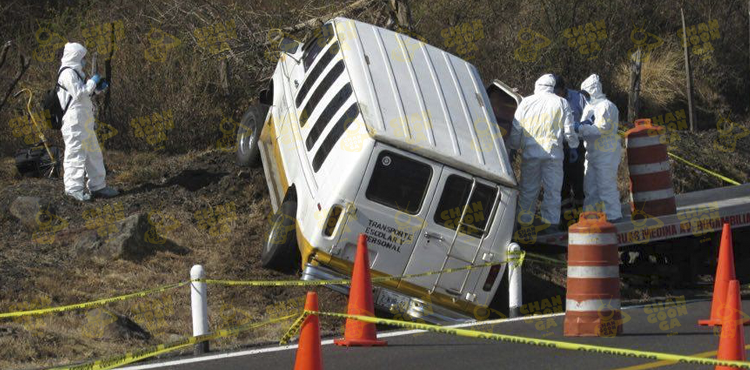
(452, 202)
(399, 182)
(313, 47)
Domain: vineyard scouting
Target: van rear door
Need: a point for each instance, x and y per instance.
(456, 230)
(391, 206)
(504, 102)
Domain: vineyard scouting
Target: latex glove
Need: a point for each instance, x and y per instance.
(573, 155)
(587, 122)
(576, 126)
(96, 78)
(103, 86)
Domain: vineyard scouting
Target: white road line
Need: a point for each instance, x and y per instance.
(326, 342)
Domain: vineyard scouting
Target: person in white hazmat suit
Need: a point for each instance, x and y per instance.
(539, 125)
(603, 151)
(83, 156)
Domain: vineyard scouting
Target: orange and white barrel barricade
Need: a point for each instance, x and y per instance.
(592, 305)
(651, 189)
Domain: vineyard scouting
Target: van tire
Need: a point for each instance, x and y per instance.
(248, 134)
(280, 251)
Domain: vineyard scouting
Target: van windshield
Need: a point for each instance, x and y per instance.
(399, 182)
(453, 200)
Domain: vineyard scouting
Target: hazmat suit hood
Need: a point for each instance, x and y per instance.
(545, 84)
(593, 86)
(73, 54)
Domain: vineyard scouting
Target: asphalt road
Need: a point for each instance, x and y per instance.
(646, 329)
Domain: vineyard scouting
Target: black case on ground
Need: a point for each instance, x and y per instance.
(35, 161)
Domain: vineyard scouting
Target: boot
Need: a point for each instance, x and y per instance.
(79, 195)
(105, 192)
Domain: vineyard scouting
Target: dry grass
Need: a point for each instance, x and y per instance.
(67, 279)
(8, 171)
(663, 85)
(662, 79)
(148, 166)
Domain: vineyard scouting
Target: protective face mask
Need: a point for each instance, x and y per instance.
(586, 97)
(83, 63)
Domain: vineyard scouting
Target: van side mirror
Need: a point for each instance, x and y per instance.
(285, 43)
(288, 45)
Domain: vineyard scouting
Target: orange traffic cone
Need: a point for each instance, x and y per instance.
(308, 351)
(724, 273)
(358, 333)
(732, 340)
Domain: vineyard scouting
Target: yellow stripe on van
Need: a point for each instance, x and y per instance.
(316, 257)
(268, 136)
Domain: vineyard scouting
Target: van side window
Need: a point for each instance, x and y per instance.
(327, 115)
(316, 72)
(334, 135)
(453, 199)
(322, 88)
(313, 47)
(399, 182)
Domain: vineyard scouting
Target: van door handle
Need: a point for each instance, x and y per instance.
(430, 235)
(452, 291)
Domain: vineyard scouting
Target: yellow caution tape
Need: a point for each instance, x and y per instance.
(544, 259)
(99, 302)
(720, 176)
(515, 261)
(130, 357)
(273, 282)
(294, 329)
(733, 182)
(648, 355)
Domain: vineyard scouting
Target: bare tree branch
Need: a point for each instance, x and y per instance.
(24, 64)
(400, 15)
(357, 5)
(4, 53)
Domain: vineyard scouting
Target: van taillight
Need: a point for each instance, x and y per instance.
(494, 271)
(333, 218)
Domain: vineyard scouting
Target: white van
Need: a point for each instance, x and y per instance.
(365, 130)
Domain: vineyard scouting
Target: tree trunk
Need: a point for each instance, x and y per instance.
(688, 73)
(94, 70)
(106, 112)
(634, 104)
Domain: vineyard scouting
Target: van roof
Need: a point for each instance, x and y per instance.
(422, 99)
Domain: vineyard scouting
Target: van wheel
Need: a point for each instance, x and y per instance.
(248, 152)
(280, 251)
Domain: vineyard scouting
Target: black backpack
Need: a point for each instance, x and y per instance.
(52, 104)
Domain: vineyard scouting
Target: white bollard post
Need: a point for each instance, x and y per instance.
(199, 305)
(515, 299)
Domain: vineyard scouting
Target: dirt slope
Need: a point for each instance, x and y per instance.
(34, 274)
